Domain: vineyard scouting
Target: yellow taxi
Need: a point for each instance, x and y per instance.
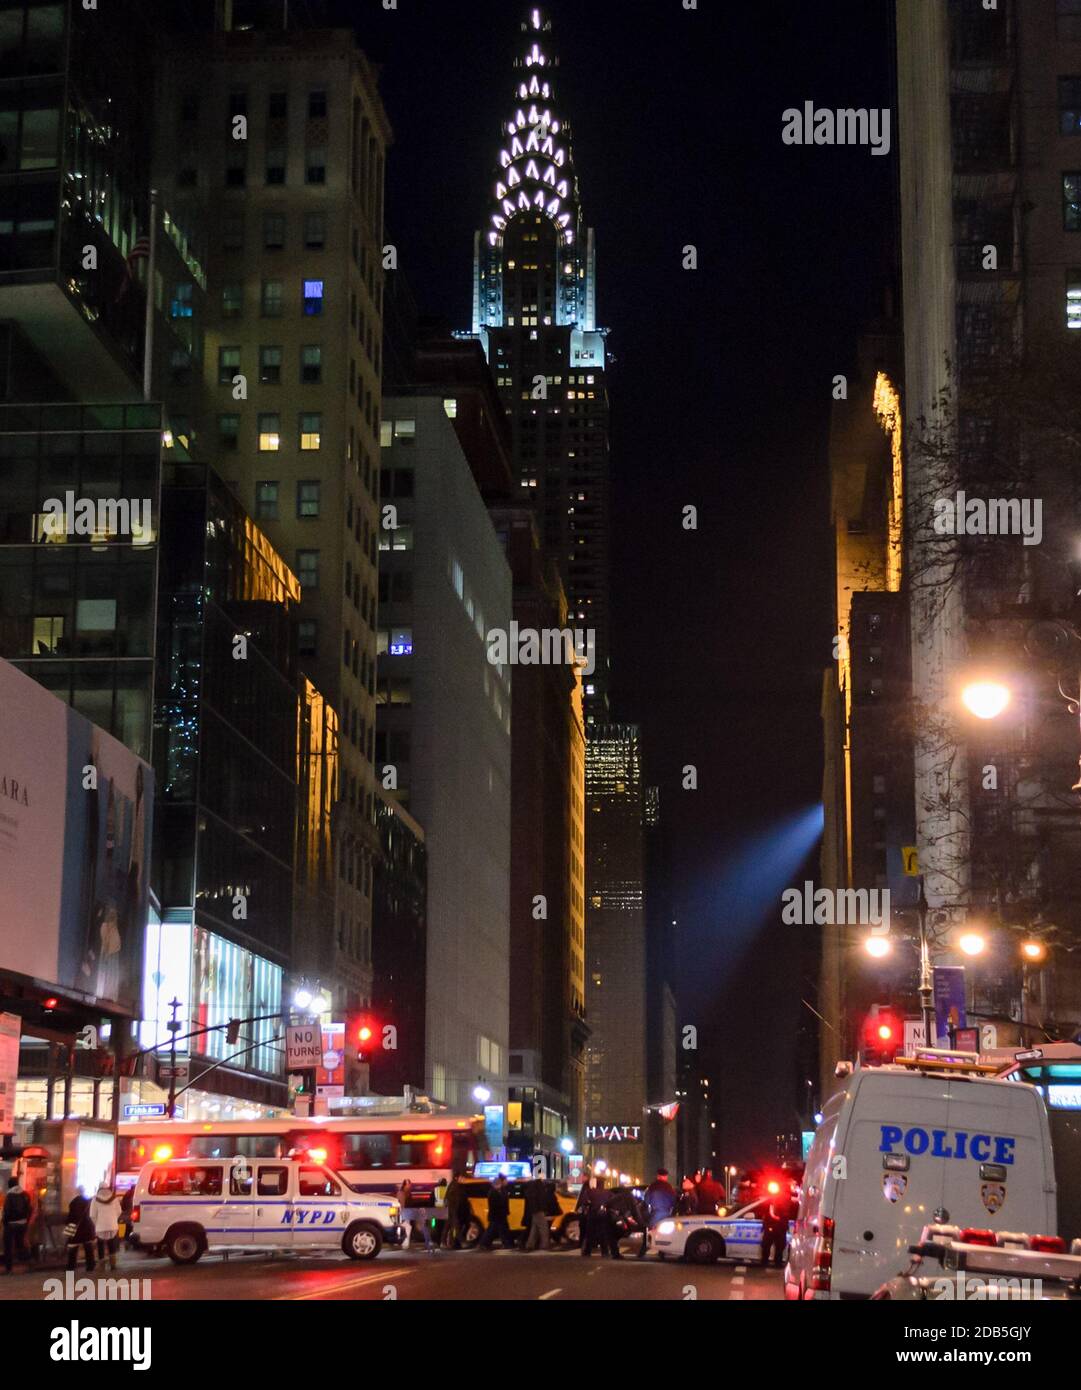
(565, 1226)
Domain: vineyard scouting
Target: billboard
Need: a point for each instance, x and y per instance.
(75, 827)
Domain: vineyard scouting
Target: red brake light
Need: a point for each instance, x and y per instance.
(822, 1267)
(973, 1235)
(1048, 1245)
(135, 1213)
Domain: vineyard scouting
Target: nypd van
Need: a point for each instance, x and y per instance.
(926, 1140)
(190, 1206)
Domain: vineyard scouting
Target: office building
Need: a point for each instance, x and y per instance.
(535, 313)
(616, 953)
(444, 731)
(271, 143)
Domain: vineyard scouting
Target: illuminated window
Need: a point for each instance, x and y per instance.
(450, 405)
(1071, 202)
(405, 431)
(48, 634)
(386, 434)
(1073, 299)
(311, 431)
(181, 305)
(308, 497)
(313, 297)
(270, 440)
(400, 538)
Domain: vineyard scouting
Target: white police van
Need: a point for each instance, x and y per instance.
(192, 1205)
(929, 1139)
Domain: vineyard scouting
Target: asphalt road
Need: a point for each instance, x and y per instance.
(448, 1276)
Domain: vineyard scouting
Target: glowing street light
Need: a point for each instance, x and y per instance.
(482, 1094)
(1033, 950)
(985, 699)
(567, 1144)
(971, 943)
(877, 946)
(302, 998)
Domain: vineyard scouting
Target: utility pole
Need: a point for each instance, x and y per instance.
(174, 1025)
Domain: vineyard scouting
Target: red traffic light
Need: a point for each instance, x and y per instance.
(882, 1036)
(364, 1033)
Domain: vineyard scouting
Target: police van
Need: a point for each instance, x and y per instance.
(929, 1139)
(193, 1205)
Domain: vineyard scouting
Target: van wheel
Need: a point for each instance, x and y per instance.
(184, 1244)
(472, 1234)
(570, 1233)
(362, 1241)
(703, 1248)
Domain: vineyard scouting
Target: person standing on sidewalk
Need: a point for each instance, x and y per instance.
(17, 1209)
(105, 1214)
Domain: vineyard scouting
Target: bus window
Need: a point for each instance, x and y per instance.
(235, 1146)
(366, 1151)
(424, 1149)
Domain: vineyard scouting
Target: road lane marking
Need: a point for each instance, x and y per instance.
(384, 1277)
(735, 1295)
(550, 1294)
(741, 1269)
(738, 1279)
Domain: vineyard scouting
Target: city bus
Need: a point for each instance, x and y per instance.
(373, 1153)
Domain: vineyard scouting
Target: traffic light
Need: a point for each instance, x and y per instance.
(883, 1035)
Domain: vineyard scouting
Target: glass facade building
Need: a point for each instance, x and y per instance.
(77, 599)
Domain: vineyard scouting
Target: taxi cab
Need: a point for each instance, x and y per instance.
(192, 1205)
(706, 1239)
(565, 1226)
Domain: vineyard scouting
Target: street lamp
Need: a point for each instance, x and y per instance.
(567, 1144)
(971, 943)
(877, 946)
(986, 699)
(1033, 950)
(302, 998)
(482, 1094)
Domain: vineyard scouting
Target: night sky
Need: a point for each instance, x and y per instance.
(720, 399)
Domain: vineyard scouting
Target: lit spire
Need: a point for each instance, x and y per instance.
(535, 158)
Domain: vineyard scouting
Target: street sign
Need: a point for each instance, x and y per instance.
(303, 1047)
(171, 1073)
(915, 1036)
(910, 858)
(149, 1111)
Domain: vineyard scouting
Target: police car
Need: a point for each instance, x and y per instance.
(193, 1205)
(706, 1239)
